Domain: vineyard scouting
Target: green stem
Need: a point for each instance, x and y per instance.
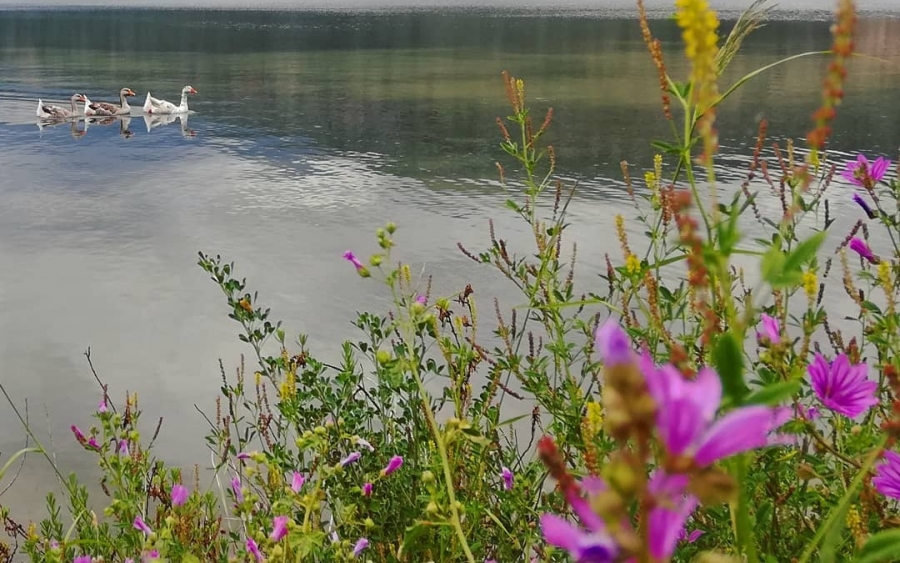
(844, 503)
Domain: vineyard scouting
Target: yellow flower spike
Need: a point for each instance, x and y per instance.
(650, 180)
(257, 378)
(632, 264)
(593, 418)
(884, 275)
(406, 273)
(810, 284)
(657, 165)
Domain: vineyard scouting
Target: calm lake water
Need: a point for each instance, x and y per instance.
(311, 129)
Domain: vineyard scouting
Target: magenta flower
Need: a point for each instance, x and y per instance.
(139, 524)
(361, 544)
(665, 521)
(588, 544)
(280, 528)
(360, 268)
(771, 330)
(253, 548)
(236, 489)
(179, 495)
(860, 247)
(352, 458)
(887, 475)
(151, 556)
(83, 559)
(865, 206)
(691, 537)
(93, 443)
(297, 481)
(687, 425)
(810, 413)
(842, 387)
(507, 477)
(367, 489)
(102, 407)
(421, 299)
(865, 174)
(245, 455)
(123, 447)
(79, 435)
(393, 465)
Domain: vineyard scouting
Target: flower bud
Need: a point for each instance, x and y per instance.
(391, 227)
(383, 357)
(427, 477)
(432, 508)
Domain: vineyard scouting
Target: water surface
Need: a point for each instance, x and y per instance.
(310, 129)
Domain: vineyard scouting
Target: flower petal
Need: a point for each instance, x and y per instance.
(742, 429)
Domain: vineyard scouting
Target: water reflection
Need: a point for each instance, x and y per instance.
(154, 121)
(79, 126)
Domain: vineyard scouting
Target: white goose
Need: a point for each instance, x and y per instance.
(50, 111)
(156, 106)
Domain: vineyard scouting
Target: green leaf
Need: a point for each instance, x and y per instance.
(190, 558)
(883, 546)
(666, 147)
(473, 435)
(803, 253)
(775, 393)
(772, 264)
(729, 361)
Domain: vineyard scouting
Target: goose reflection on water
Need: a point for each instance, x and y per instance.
(124, 122)
(152, 121)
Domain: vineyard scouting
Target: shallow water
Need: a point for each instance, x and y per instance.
(311, 129)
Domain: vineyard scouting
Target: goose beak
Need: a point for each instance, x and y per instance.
(193, 91)
(130, 92)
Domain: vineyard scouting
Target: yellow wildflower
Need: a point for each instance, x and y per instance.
(620, 232)
(810, 284)
(657, 165)
(632, 264)
(593, 419)
(288, 386)
(650, 180)
(884, 275)
(699, 25)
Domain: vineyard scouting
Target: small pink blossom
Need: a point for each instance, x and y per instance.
(123, 447)
(393, 465)
(360, 268)
(139, 524)
(770, 330)
(507, 477)
(361, 544)
(254, 549)
(79, 435)
(280, 528)
(860, 247)
(367, 489)
(93, 443)
(352, 458)
(179, 495)
(365, 443)
(83, 559)
(865, 174)
(842, 387)
(102, 407)
(236, 489)
(297, 481)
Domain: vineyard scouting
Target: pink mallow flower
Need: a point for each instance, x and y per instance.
(393, 465)
(842, 387)
(687, 425)
(253, 548)
(179, 495)
(361, 544)
(279, 529)
(865, 174)
(139, 524)
(507, 477)
(860, 247)
(360, 268)
(770, 330)
(352, 458)
(887, 475)
(297, 481)
(588, 543)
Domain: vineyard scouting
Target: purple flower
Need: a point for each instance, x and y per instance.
(842, 387)
(83, 559)
(102, 407)
(365, 443)
(245, 455)
(864, 174)
(361, 544)
(352, 458)
(887, 475)
(179, 495)
(589, 543)
(139, 524)
(421, 299)
(150, 556)
(860, 247)
(360, 268)
(507, 477)
(687, 425)
(613, 344)
(79, 435)
(810, 413)
(123, 447)
(367, 489)
(865, 206)
(254, 549)
(691, 537)
(393, 465)
(297, 481)
(665, 521)
(771, 330)
(280, 528)
(93, 443)
(236, 489)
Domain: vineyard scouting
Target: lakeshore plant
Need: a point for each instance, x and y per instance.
(702, 400)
